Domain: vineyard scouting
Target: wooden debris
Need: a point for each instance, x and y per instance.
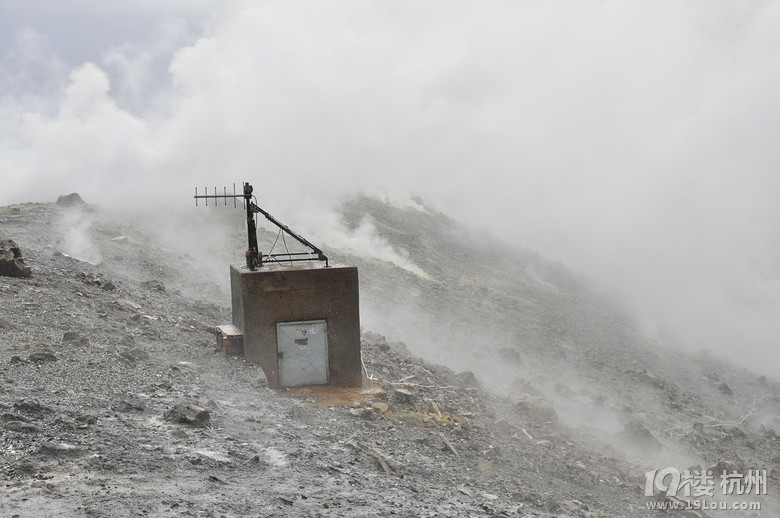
(449, 444)
(390, 466)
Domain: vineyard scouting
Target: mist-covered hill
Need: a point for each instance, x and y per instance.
(507, 313)
(523, 392)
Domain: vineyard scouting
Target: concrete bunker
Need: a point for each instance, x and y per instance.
(302, 326)
(297, 318)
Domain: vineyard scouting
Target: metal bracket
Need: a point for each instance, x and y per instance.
(254, 258)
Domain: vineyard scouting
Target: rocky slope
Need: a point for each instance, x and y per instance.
(504, 387)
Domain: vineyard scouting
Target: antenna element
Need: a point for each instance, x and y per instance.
(254, 258)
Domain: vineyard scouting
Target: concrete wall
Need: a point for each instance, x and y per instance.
(264, 297)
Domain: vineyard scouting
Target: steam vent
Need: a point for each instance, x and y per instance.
(302, 325)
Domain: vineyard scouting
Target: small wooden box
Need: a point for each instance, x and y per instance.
(230, 340)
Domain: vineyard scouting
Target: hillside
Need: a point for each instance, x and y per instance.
(499, 384)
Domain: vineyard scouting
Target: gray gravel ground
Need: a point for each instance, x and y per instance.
(94, 356)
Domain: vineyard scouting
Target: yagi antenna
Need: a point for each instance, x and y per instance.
(254, 258)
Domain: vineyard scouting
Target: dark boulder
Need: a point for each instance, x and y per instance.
(468, 379)
(537, 409)
(636, 435)
(70, 200)
(188, 413)
(11, 262)
(42, 356)
(154, 285)
(75, 337)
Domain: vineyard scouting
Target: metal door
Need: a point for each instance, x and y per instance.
(302, 348)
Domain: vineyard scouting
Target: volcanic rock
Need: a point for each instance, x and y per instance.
(533, 407)
(129, 304)
(154, 285)
(11, 262)
(22, 427)
(58, 449)
(188, 413)
(636, 434)
(75, 337)
(403, 396)
(70, 200)
(468, 379)
(42, 357)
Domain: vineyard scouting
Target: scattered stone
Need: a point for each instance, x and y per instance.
(108, 286)
(380, 407)
(42, 357)
(635, 434)
(466, 490)
(24, 468)
(31, 405)
(132, 354)
(128, 304)
(468, 379)
(416, 420)
(22, 427)
(132, 404)
(84, 421)
(303, 414)
(403, 396)
(70, 200)
(434, 441)
(363, 412)
(549, 505)
(487, 467)
(520, 385)
(647, 378)
(127, 341)
(399, 348)
(188, 413)
(60, 449)
(390, 466)
(154, 285)
(75, 337)
(726, 389)
(10, 416)
(533, 407)
(11, 261)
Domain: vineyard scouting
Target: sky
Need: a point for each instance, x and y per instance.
(635, 142)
